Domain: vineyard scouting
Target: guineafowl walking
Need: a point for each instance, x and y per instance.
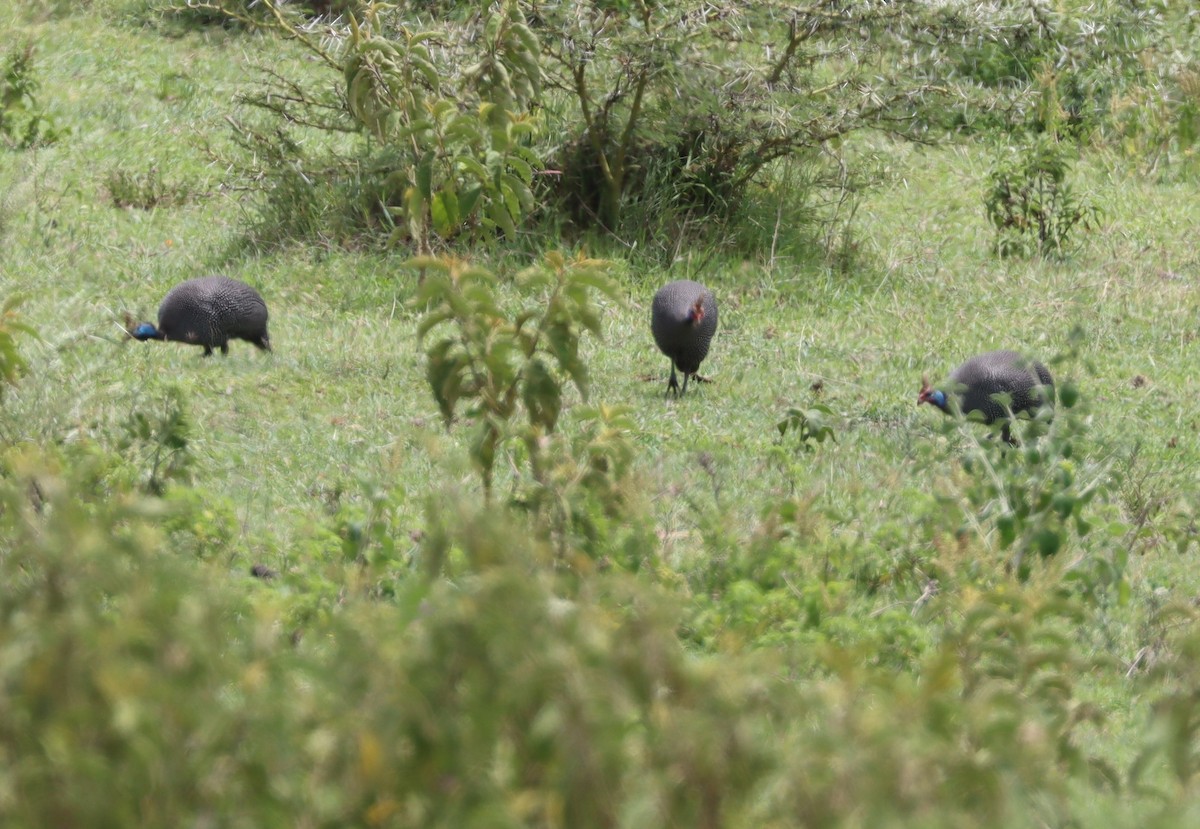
(210, 311)
(683, 319)
(975, 384)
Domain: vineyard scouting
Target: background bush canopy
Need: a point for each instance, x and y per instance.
(444, 560)
(647, 120)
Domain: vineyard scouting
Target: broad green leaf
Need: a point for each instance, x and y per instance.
(424, 175)
(523, 170)
(444, 369)
(500, 217)
(444, 211)
(464, 129)
(468, 200)
(521, 191)
(483, 444)
(564, 345)
(476, 169)
(541, 394)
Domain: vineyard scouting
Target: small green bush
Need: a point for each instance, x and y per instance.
(507, 372)
(199, 524)
(144, 190)
(156, 439)
(24, 122)
(1030, 201)
(444, 124)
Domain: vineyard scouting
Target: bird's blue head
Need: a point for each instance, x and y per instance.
(935, 397)
(146, 331)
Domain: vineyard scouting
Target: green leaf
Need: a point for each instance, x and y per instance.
(432, 320)
(466, 204)
(444, 211)
(500, 218)
(514, 187)
(541, 394)
(1068, 394)
(510, 201)
(440, 108)
(1006, 526)
(444, 369)
(595, 277)
(1048, 541)
(425, 175)
(473, 167)
(483, 445)
(464, 128)
(564, 345)
(523, 170)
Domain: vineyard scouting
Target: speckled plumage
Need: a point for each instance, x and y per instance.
(210, 311)
(683, 319)
(974, 384)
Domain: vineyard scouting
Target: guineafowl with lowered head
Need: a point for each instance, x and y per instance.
(975, 385)
(210, 311)
(683, 319)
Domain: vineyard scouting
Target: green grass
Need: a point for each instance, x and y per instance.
(341, 408)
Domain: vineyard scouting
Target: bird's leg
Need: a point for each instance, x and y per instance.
(207, 351)
(673, 383)
(225, 349)
(685, 379)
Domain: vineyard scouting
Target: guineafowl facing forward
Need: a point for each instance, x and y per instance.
(683, 319)
(975, 384)
(210, 311)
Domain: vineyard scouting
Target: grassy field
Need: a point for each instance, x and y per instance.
(288, 449)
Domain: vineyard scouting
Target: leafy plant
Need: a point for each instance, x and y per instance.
(501, 364)
(507, 371)
(12, 364)
(157, 438)
(585, 493)
(444, 120)
(689, 108)
(199, 523)
(23, 121)
(1166, 667)
(1038, 501)
(376, 539)
(455, 153)
(1030, 201)
(582, 703)
(810, 426)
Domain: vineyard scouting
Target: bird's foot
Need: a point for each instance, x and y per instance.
(673, 383)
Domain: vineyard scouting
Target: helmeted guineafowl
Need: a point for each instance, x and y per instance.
(210, 311)
(683, 319)
(974, 385)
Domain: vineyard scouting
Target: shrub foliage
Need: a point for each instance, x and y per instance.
(649, 118)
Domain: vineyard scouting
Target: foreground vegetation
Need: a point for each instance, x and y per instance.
(447, 556)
